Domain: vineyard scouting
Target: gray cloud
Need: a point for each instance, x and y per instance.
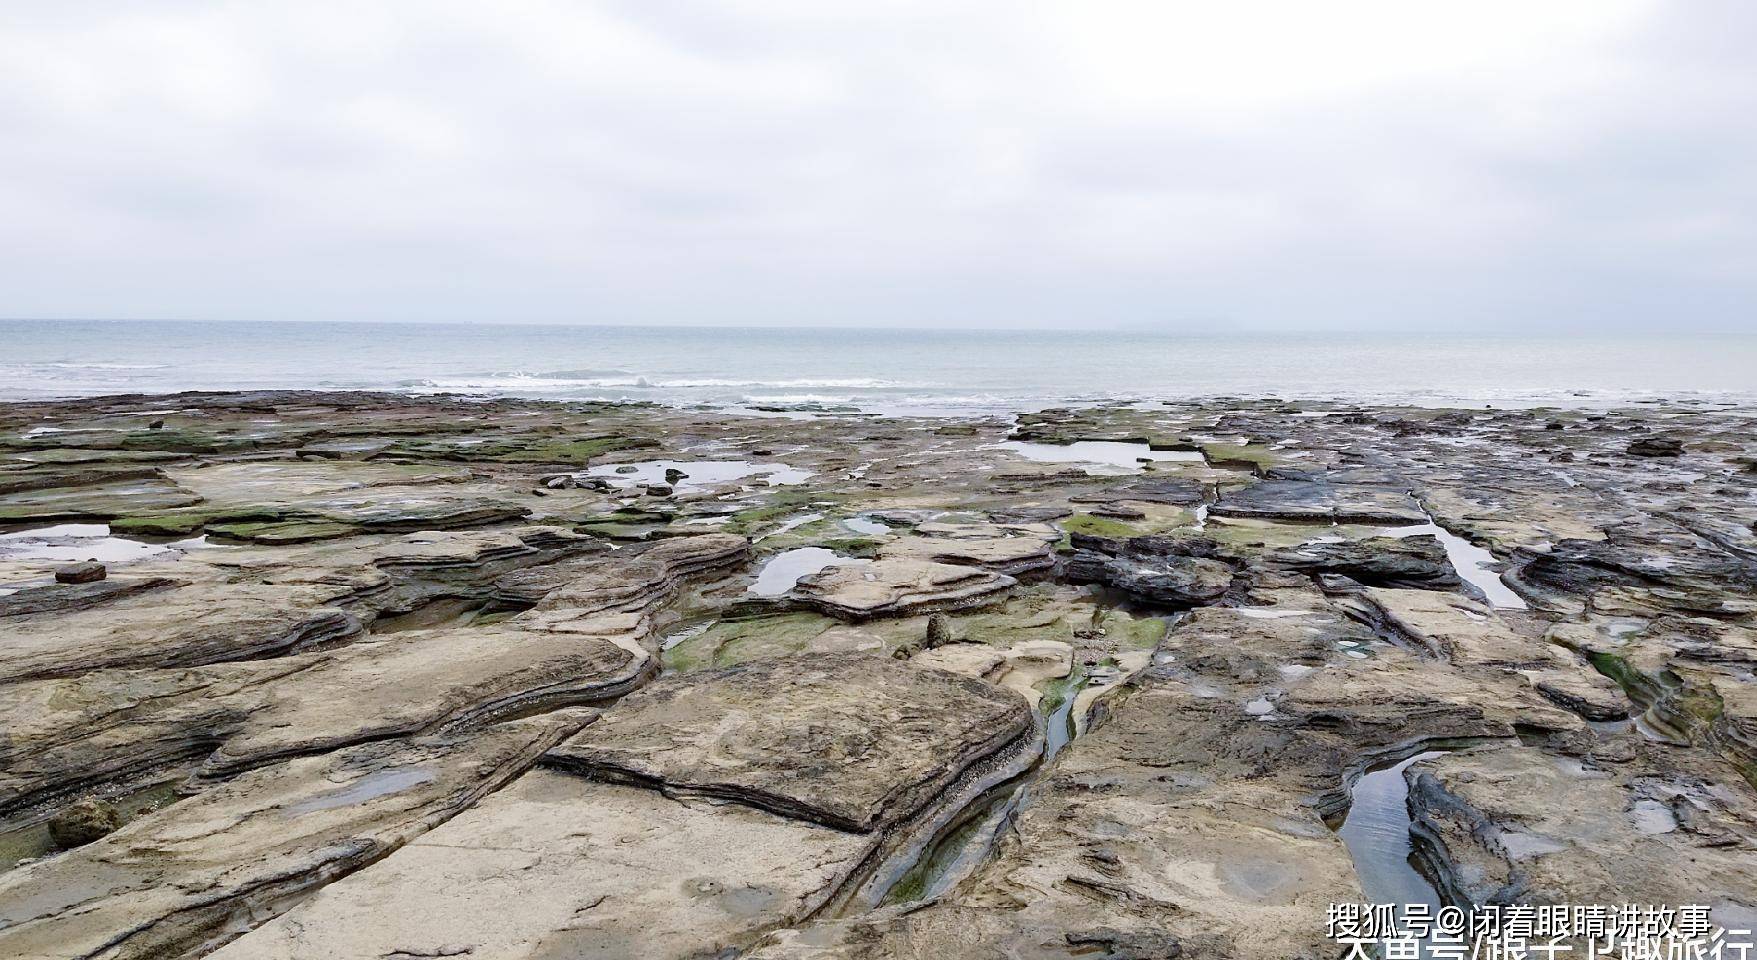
(1578, 164)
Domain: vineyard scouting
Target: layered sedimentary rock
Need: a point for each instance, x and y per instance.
(891, 586)
(1163, 570)
(328, 698)
(849, 741)
(211, 607)
(1320, 500)
(1004, 548)
(1523, 824)
(116, 724)
(718, 805)
(237, 852)
(1418, 562)
(1191, 821)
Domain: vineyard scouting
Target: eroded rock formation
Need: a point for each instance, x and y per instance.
(385, 677)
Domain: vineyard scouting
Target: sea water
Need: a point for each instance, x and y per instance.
(909, 371)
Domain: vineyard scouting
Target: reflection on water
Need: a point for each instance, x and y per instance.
(74, 542)
(866, 526)
(1472, 562)
(1376, 832)
(787, 567)
(1113, 455)
(699, 474)
(377, 784)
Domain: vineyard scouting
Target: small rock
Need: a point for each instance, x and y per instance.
(83, 822)
(672, 475)
(939, 631)
(658, 490)
(562, 482)
(89, 572)
(1656, 447)
(156, 425)
(628, 468)
(1126, 945)
(762, 453)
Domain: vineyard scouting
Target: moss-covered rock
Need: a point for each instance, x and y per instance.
(728, 642)
(1094, 526)
(1234, 456)
(286, 531)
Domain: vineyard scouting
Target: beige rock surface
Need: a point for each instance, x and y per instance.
(894, 587)
(179, 880)
(851, 741)
(560, 866)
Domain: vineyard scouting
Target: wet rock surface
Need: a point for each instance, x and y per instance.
(388, 677)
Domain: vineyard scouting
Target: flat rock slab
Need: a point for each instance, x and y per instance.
(282, 481)
(560, 866)
(1148, 568)
(246, 603)
(114, 724)
(1650, 570)
(188, 625)
(1009, 549)
(1461, 630)
(898, 587)
(419, 679)
(1175, 491)
(1548, 828)
(68, 597)
(103, 501)
(1320, 500)
(1468, 634)
(174, 879)
(625, 583)
(851, 741)
(403, 496)
(1418, 562)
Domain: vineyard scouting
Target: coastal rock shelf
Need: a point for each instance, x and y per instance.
(294, 674)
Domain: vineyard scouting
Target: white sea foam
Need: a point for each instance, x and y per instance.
(549, 382)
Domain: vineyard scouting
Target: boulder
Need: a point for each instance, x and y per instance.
(1655, 447)
(89, 572)
(82, 822)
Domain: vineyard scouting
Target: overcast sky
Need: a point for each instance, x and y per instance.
(1579, 164)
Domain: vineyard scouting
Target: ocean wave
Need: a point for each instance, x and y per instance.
(935, 400)
(808, 383)
(516, 384)
(577, 374)
(552, 382)
(107, 366)
(792, 398)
